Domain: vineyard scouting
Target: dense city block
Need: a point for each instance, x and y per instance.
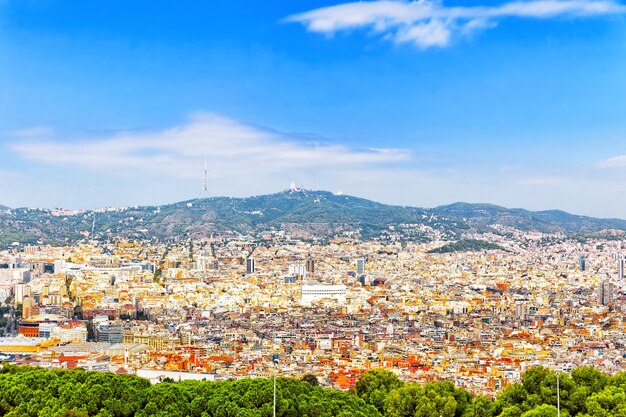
(221, 308)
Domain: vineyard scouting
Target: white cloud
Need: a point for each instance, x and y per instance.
(31, 132)
(429, 23)
(432, 33)
(231, 148)
(614, 162)
(150, 167)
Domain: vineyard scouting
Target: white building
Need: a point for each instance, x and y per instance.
(297, 270)
(11, 277)
(202, 263)
(19, 291)
(312, 292)
(360, 266)
(156, 376)
(67, 334)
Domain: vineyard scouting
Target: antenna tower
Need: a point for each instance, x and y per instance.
(205, 180)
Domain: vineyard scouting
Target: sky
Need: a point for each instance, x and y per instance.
(118, 103)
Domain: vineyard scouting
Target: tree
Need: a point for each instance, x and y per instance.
(78, 312)
(435, 399)
(513, 395)
(543, 410)
(311, 380)
(533, 379)
(611, 401)
(375, 385)
(73, 413)
(444, 391)
(409, 400)
(511, 411)
(588, 376)
(482, 407)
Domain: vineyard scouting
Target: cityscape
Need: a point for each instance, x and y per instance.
(315, 208)
(221, 307)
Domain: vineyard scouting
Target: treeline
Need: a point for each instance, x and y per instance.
(27, 391)
(467, 245)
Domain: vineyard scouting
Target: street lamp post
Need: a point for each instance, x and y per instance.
(275, 361)
(558, 396)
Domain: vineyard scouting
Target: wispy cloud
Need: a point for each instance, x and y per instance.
(31, 132)
(429, 23)
(540, 181)
(160, 166)
(230, 147)
(618, 161)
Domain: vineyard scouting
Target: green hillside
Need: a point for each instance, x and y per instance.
(467, 245)
(319, 213)
(549, 221)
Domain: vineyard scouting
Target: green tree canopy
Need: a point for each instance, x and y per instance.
(375, 385)
(311, 380)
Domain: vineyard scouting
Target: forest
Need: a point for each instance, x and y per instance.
(29, 391)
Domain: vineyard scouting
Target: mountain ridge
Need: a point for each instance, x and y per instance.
(549, 219)
(302, 213)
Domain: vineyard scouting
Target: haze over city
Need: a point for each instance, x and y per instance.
(116, 103)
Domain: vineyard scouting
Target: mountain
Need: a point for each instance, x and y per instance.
(481, 216)
(303, 213)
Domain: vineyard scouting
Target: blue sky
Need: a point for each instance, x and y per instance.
(109, 103)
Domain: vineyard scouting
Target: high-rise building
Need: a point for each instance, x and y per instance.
(360, 266)
(605, 296)
(620, 267)
(310, 266)
(582, 264)
(27, 307)
(20, 291)
(249, 265)
(202, 263)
